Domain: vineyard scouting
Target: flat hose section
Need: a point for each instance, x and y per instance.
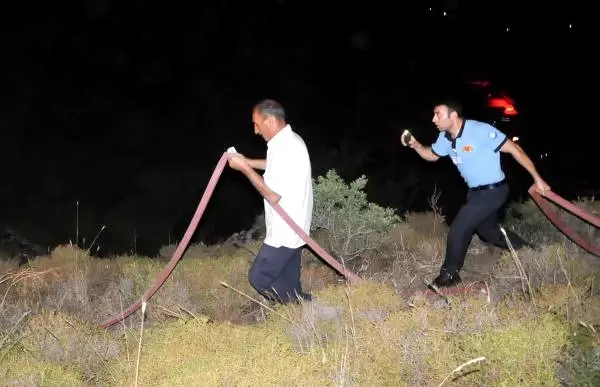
(542, 201)
(170, 266)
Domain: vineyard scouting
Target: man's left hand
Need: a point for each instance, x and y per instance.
(542, 186)
(237, 161)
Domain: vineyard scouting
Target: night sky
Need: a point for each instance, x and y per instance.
(126, 107)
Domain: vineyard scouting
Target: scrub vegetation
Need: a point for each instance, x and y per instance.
(532, 319)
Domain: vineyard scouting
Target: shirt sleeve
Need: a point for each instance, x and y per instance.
(441, 147)
(492, 138)
(286, 174)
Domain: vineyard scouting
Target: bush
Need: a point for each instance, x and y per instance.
(352, 225)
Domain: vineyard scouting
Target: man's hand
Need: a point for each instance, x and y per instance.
(413, 143)
(407, 139)
(541, 186)
(237, 161)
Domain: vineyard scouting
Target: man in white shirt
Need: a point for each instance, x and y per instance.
(275, 272)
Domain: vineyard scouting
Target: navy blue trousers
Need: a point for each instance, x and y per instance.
(478, 215)
(275, 273)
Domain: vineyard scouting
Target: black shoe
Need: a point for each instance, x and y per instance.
(447, 278)
(535, 247)
(302, 296)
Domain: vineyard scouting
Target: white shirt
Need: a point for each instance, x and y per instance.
(288, 173)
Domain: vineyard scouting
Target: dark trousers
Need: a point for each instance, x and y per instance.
(275, 273)
(478, 215)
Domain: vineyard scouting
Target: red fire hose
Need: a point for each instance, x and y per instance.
(543, 204)
(559, 223)
(542, 201)
(168, 269)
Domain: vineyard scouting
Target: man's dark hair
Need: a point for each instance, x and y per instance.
(270, 107)
(452, 104)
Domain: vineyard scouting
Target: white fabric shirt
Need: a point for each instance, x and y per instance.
(288, 173)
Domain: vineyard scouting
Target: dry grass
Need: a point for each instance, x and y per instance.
(385, 343)
(198, 332)
(63, 346)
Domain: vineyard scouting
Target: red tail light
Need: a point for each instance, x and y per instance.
(510, 111)
(505, 103)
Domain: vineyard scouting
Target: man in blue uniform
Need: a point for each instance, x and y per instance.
(474, 147)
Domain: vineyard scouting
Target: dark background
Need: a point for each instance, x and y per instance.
(115, 113)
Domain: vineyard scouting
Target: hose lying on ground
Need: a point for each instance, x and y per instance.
(168, 269)
(559, 223)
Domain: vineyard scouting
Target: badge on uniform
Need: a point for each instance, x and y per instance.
(456, 159)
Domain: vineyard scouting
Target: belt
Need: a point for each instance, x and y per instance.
(489, 186)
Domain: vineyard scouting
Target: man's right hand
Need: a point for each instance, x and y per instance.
(413, 143)
(425, 152)
(405, 138)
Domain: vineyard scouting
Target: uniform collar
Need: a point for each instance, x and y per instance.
(460, 132)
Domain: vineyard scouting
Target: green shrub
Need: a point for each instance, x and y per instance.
(352, 224)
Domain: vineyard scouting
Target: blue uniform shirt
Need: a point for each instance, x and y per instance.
(475, 152)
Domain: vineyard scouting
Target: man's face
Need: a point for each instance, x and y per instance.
(442, 118)
(261, 125)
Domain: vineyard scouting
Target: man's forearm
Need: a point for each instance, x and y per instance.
(425, 152)
(259, 183)
(257, 163)
(526, 162)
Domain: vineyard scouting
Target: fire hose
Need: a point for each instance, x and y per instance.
(540, 199)
(176, 257)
